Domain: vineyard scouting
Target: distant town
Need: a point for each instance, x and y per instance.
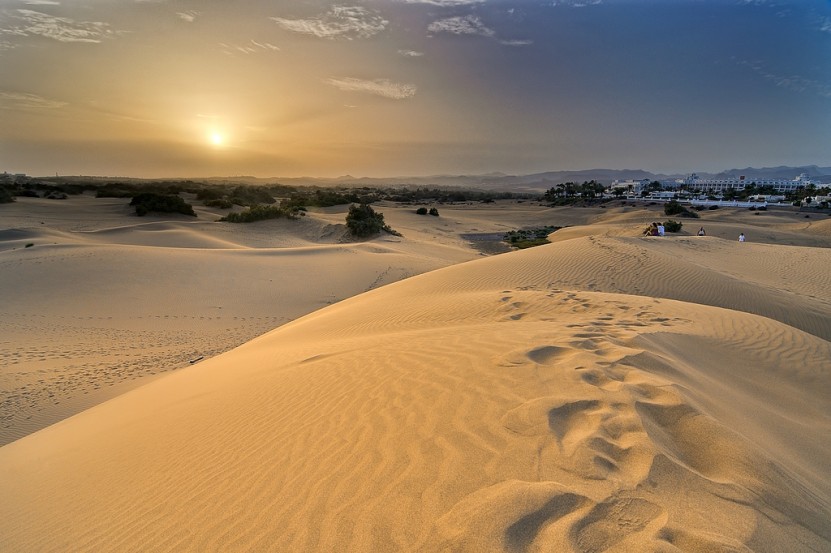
(800, 190)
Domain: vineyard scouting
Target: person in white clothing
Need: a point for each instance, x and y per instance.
(741, 237)
(661, 229)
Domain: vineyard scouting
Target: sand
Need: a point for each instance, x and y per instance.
(606, 392)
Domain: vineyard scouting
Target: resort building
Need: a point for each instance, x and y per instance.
(695, 185)
(630, 187)
(719, 186)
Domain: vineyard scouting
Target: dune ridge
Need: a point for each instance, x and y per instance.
(541, 400)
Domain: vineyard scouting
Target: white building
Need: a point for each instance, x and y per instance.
(719, 186)
(630, 187)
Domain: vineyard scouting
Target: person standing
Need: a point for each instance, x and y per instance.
(741, 237)
(661, 229)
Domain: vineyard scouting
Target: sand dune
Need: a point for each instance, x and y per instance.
(98, 300)
(608, 392)
(603, 393)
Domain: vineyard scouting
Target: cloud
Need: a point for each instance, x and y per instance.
(379, 87)
(188, 16)
(576, 3)
(825, 25)
(42, 2)
(61, 29)
(339, 22)
(252, 47)
(516, 42)
(796, 83)
(466, 25)
(410, 53)
(445, 3)
(19, 100)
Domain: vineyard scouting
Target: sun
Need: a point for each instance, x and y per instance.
(216, 138)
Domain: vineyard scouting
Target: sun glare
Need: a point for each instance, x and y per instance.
(216, 139)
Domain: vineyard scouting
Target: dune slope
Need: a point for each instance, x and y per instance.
(481, 407)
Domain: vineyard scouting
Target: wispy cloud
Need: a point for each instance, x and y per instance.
(516, 42)
(42, 2)
(339, 22)
(576, 3)
(62, 29)
(252, 47)
(825, 25)
(379, 87)
(22, 100)
(188, 16)
(461, 25)
(445, 3)
(796, 83)
(410, 53)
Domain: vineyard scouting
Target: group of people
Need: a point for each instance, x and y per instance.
(655, 229)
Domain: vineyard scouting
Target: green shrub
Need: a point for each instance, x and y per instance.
(528, 238)
(434, 212)
(251, 196)
(221, 203)
(673, 208)
(261, 213)
(6, 197)
(363, 221)
(672, 226)
(162, 203)
(421, 211)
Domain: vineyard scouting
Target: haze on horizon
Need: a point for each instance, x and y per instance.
(176, 88)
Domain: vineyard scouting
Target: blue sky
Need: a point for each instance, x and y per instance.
(176, 88)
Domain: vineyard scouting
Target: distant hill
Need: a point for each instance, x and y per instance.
(534, 182)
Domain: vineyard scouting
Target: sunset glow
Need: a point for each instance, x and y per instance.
(413, 87)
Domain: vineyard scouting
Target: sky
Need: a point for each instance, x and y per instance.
(268, 88)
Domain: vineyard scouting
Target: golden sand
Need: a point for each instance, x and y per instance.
(606, 392)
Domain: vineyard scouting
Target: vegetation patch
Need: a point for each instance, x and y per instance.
(674, 208)
(6, 196)
(261, 213)
(363, 221)
(528, 238)
(161, 203)
(672, 226)
(424, 211)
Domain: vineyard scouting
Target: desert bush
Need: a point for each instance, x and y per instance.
(672, 226)
(421, 211)
(251, 196)
(6, 197)
(162, 203)
(363, 221)
(221, 203)
(713, 207)
(261, 213)
(434, 212)
(528, 238)
(673, 208)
